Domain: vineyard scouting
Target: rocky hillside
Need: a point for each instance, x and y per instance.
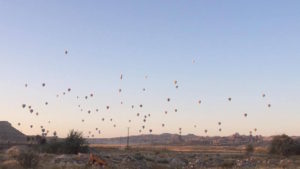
(9, 134)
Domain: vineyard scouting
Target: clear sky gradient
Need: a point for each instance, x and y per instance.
(241, 49)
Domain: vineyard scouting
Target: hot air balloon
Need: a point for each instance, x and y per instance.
(31, 110)
(143, 127)
(195, 126)
(91, 94)
(36, 113)
(168, 99)
(31, 126)
(269, 105)
(69, 89)
(103, 119)
(26, 85)
(132, 106)
(82, 120)
(141, 105)
(23, 105)
(220, 129)
(219, 123)
(263, 95)
(86, 97)
(144, 89)
(43, 84)
(114, 125)
(145, 120)
(66, 52)
(120, 90)
(96, 129)
(54, 133)
(229, 99)
(150, 130)
(121, 77)
(121, 102)
(175, 110)
(199, 101)
(138, 114)
(129, 121)
(64, 93)
(175, 82)
(89, 111)
(166, 112)
(205, 130)
(140, 131)
(163, 125)
(97, 110)
(46, 103)
(19, 124)
(177, 86)
(111, 119)
(29, 107)
(245, 114)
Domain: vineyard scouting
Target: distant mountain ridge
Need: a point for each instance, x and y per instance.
(175, 139)
(9, 134)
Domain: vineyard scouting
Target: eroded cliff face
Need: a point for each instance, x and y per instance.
(8, 134)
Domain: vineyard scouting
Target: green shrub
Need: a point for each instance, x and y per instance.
(249, 149)
(283, 145)
(28, 159)
(73, 144)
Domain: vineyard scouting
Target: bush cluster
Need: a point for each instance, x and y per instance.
(284, 145)
(73, 144)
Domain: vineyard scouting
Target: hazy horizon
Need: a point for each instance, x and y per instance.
(214, 50)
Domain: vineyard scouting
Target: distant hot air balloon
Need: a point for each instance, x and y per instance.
(263, 95)
(245, 114)
(31, 126)
(175, 110)
(220, 129)
(166, 112)
(26, 85)
(46, 103)
(121, 77)
(175, 82)
(89, 111)
(199, 101)
(168, 99)
(205, 130)
(229, 99)
(120, 90)
(219, 123)
(19, 124)
(23, 105)
(107, 107)
(69, 89)
(163, 125)
(269, 105)
(138, 114)
(66, 52)
(141, 105)
(43, 84)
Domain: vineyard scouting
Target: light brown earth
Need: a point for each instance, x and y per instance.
(160, 157)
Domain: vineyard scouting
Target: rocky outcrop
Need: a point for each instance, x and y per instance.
(9, 134)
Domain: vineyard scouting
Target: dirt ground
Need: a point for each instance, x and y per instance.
(157, 157)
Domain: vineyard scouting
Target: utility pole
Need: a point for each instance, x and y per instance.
(128, 137)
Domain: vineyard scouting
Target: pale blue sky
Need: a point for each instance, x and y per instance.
(241, 50)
